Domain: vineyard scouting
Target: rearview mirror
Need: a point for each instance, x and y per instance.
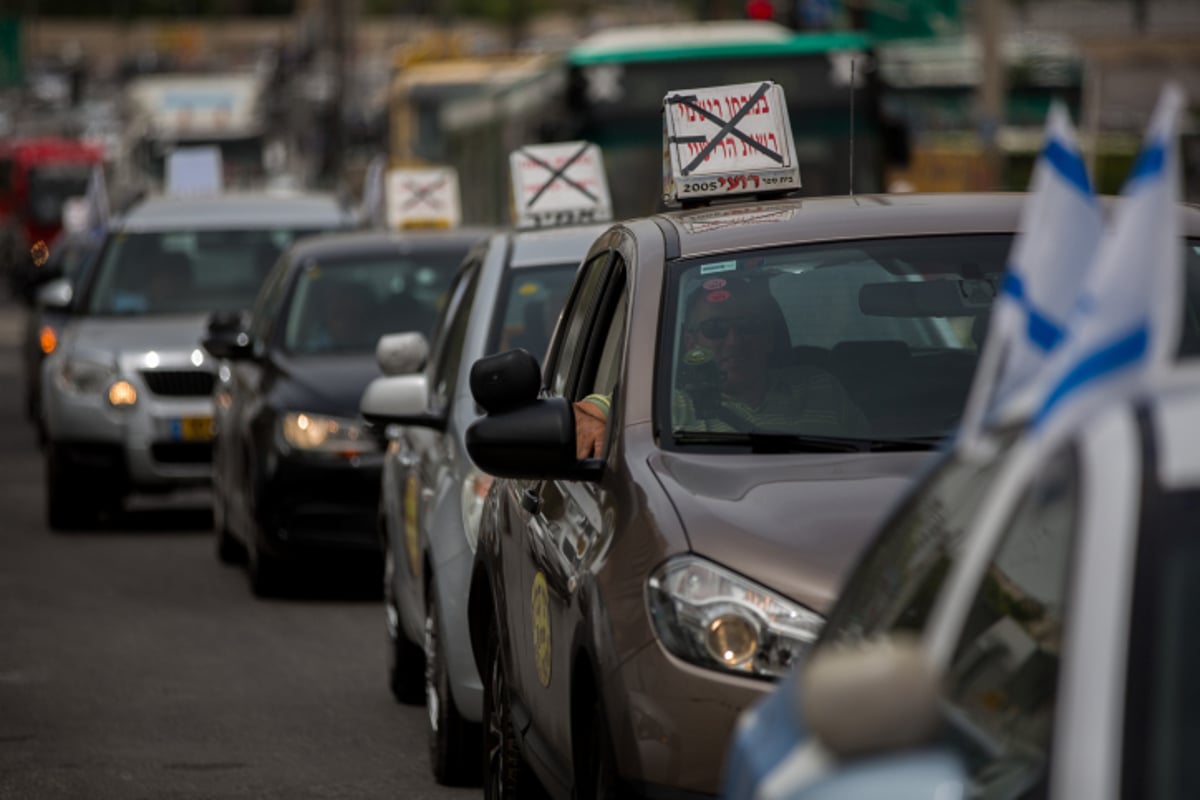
(870, 697)
(402, 353)
(939, 298)
(56, 295)
(227, 336)
(399, 400)
(505, 381)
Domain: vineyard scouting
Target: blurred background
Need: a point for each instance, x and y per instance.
(925, 95)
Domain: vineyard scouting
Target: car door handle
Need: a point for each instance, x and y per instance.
(531, 501)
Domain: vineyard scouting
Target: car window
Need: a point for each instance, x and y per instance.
(865, 339)
(1001, 683)
(267, 304)
(895, 584)
(450, 335)
(531, 302)
(574, 324)
(343, 304)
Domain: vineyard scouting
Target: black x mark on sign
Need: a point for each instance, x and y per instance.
(423, 194)
(559, 174)
(727, 128)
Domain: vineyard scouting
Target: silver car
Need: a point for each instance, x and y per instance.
(127, 394)
(508, 293)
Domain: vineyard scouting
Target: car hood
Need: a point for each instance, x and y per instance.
(132, 334)
(324, 384)
(794, 523)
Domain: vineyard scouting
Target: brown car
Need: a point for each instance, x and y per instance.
(777, 375)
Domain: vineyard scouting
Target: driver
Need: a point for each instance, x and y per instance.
(727, 381)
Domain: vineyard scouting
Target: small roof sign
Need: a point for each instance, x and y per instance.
(724, 141)
(559, 184)
(423, 197)
(194, 170)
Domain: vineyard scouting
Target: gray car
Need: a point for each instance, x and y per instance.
(127, 394)
(508, 294)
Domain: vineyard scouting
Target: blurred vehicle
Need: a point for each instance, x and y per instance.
(508, 294)
(995, 636)
(71, 255)
(37, 177)
(127, 392)
(1055, 655)
(295, 473)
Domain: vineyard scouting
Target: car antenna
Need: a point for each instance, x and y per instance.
(852, 63)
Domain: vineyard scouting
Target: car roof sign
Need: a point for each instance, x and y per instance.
(727, 141)
(194, 170)
(559, 184)
(423, 197)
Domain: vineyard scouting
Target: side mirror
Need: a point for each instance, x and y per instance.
(871, 698)
(227, 336)
(522, 436)
(56, 295)
(402, 353)
(399, 400)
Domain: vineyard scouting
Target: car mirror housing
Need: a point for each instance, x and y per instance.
(227, 336)
(402, 353)
(889, 683)
(534, 441)
(399, 400)
(56, 294)
(506, 381)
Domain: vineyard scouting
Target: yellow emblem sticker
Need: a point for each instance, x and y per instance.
(412, 496)
(542, 650)
(528, 289)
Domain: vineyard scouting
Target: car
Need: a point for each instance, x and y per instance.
(296, 475)
(771, 374)
(127, 393)
(508, 294)
(69, 257)
(1055, 658)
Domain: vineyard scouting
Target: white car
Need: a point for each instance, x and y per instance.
(127, 394)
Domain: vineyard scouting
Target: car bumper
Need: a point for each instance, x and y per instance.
(316, 503)
(656, 704)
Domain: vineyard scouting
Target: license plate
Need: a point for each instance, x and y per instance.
(192, 429)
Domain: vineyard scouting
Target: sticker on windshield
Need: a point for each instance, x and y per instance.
(714, 283)
(718, 266)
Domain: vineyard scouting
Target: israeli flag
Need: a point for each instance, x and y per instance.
(1060, 232)
(1126, 321)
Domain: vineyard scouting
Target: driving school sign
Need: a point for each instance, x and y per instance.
(727, 140)
(423, 198)
(559, 184)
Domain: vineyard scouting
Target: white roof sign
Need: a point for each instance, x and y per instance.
(559, 184)
(194, 170)
(725, 141)
(425, 197)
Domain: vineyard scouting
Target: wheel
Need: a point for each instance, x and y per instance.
(453, 741)
(505, 774)
(229, 549)
(596, 765)
(266, 573)
(406, 661)
(70, 502)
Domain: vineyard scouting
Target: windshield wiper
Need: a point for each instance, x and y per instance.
(760, 442)
(906, 444)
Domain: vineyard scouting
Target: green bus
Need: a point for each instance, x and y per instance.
(610, 86)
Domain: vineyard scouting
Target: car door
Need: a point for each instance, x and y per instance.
(564, 519)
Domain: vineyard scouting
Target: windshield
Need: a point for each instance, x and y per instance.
(533, 299)
(179, 272)
(345, 305)
(51, 186)
(871, 339)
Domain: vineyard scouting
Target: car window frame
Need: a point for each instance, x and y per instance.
(582, 304)
(460, 294)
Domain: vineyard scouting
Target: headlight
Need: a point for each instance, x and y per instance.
(334, 435)
(715, 618)
(87, 377)
(474, 491)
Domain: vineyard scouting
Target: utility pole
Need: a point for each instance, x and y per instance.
(991, 105)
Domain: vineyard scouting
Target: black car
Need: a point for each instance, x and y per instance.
(295, 472)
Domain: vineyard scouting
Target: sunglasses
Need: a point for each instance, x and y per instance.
(718, 328)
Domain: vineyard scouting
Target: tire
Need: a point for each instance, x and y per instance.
(454, 742)
(229, 549)
(505, 774)
(596, 768)
(406, 661)
(70, 502)
(266, 572)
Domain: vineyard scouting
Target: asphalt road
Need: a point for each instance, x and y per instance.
(134, 665)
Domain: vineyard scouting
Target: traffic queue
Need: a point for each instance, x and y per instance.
(622, 477)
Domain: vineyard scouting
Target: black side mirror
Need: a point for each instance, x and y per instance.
(505, 381)
(227, 336)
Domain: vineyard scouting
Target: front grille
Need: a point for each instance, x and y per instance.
(182, 452)
(179, 382)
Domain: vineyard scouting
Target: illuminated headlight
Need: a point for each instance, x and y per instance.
(122, 394)
(334, 435)
(87, 377)
(712, 617)
(474, 492)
